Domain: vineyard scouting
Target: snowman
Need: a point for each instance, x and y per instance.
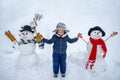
(97, 50)
(27, 45)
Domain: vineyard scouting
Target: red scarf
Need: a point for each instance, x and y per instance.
(94, 47)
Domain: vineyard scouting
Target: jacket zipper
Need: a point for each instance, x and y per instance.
(60, 45)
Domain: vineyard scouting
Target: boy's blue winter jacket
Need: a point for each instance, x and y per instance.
(60, 43)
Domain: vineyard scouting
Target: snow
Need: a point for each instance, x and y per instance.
(79, 16)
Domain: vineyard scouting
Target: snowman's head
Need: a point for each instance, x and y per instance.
(96, 32)
(26, 33)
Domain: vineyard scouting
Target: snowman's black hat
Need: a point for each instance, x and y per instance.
(27, 28)
(96, 28)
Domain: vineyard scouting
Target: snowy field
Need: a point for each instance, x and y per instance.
(79, 16)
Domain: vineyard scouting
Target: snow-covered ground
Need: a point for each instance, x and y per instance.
(79, 16)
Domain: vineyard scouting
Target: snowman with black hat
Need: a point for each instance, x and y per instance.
(97, 50)
(27, 44)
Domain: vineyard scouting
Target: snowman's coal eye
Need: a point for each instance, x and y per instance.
(26, 33)
(95, 32)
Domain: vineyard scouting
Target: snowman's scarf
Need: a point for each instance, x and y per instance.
(94, 47)
(27, 41)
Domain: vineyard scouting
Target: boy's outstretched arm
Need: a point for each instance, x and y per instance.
(71, 40)
(74, 39)
(49, 41)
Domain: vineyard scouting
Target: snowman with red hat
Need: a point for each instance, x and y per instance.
(97, 49)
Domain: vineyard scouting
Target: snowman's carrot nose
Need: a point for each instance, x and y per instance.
(98, 33)
(23, 34)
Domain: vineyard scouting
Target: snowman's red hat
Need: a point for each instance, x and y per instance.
(96, 28)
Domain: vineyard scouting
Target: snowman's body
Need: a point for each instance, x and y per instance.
(27, 58)
(99, 49)
(98, 62)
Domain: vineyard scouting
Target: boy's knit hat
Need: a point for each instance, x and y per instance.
(61, 26)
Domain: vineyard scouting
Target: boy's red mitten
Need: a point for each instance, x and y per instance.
(79, 35)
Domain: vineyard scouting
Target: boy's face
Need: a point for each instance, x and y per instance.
(60, 32)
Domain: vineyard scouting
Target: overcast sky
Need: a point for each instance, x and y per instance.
(78, 15)
(72, 12)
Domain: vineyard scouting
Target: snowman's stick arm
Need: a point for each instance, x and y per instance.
(111, 35)
(108, 38)
(37, 18)
(84, 40)
(80, 36)
(35, 22)
(18, 43)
